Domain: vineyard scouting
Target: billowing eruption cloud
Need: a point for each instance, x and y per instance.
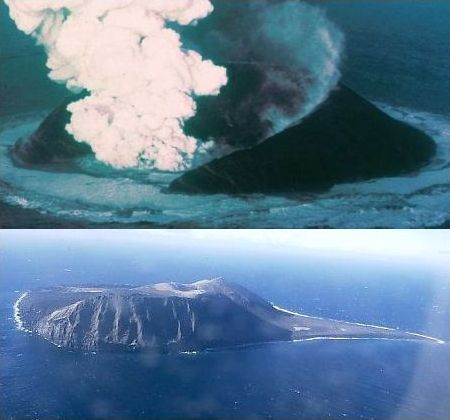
(139, 77)
(152, 99)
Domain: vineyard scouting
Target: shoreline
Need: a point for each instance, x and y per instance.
(16, 309)
(418, 335)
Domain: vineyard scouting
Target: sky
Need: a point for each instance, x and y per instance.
(417, 244)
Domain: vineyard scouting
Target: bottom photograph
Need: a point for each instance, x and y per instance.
(224, 324)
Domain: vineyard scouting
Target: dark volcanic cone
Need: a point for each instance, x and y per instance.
(346, 139)
(51, 144)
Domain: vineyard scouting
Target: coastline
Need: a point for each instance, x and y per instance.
(420, 336)
(16, 309)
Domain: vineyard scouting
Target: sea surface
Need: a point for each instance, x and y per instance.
(396, 55)
(342, 379)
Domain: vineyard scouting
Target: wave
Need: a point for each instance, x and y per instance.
(366, 338)
(16, 310)
(305, 340)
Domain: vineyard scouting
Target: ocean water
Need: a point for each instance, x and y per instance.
(396, 51)
(396, 56)
(353, 379)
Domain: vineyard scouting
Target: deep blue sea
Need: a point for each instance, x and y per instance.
(396, 55)
(346, 379)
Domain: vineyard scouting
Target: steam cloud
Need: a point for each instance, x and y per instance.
(151, 99)
(139, 77)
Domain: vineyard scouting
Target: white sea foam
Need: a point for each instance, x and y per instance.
(416, 200)
(363, 338)
(299, 340)
(428, 337)
(16, 309)
(318, 317)
(286, 311)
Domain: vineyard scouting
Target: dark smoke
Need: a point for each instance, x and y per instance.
(282, 59)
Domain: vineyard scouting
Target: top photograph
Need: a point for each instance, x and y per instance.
(224, 114)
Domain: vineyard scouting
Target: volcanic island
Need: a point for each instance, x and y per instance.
(174, 318)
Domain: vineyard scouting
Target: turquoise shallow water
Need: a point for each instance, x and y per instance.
(416, 200)
(396, 55)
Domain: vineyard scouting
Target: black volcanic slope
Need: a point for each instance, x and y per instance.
(172, 317)
(51, 143)
(345, 139)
